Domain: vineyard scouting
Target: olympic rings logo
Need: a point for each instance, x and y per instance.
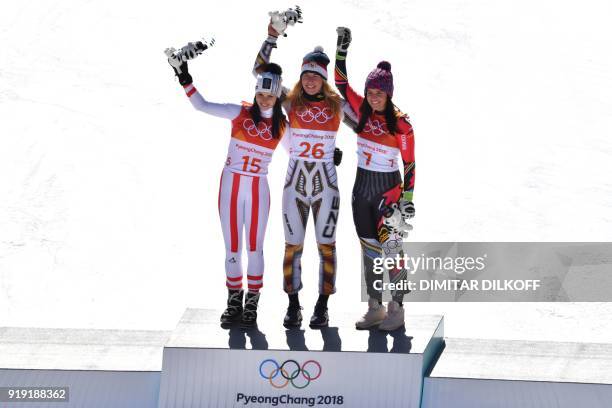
(279, 376)
(374, 127)
(317, 114)
(262, 130)
(391, 245)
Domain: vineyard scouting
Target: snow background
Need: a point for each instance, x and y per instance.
(109, 179)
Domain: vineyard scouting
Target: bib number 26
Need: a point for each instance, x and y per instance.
(315, 151)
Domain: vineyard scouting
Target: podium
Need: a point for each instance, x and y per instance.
(200, 364)
(98, 368)
(205, 365)
(475, 373)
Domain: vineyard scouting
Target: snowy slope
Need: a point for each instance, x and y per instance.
(108, 177)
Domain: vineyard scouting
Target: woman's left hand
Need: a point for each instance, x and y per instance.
(406, 208)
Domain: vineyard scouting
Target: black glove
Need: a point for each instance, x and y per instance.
(337, 156)
(344, 39)
(183, 74)
(178, 59)
(179, 66)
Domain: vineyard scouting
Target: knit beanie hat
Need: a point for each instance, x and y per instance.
(381, 78)
(316, 61)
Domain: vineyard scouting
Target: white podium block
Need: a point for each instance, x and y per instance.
(520, 374)
(207, 366)
(100, 368)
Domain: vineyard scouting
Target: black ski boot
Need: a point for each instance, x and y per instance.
(320, 317)
(249, 314)
(234, 307)
(293, 317)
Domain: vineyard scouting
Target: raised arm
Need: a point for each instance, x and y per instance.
(265, 52)
(340, 71)
(178, 62)
(220, 110)
(279, 21)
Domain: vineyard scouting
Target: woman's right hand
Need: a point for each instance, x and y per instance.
(179, 66)
(178, 58)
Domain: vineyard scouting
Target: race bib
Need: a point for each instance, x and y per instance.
(376, 156)
(248, 158)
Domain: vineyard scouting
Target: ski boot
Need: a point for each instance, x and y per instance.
(234, 307)
(293, 317)
(395, 317)
(249, 314)
(320, 317)
(375, 315)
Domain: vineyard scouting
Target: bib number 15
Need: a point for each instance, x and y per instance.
(251, 164)
(315, 150)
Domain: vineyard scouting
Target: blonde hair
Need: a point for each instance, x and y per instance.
(295, 97)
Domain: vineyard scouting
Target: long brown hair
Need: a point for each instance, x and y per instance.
(278, 117)
(296, 97)
(391, 113)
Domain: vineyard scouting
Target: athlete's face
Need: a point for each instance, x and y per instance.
(312, 83)
(265, 101)
(377, 99)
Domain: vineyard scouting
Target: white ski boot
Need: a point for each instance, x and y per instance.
(395, 317)
(374, 316)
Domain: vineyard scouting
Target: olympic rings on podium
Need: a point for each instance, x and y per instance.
(289, 371)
